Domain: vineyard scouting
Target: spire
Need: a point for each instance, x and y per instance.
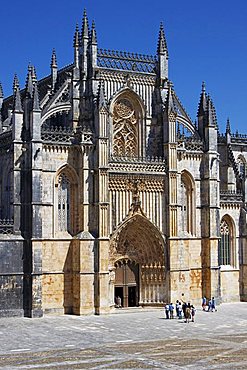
(53, 59)
(93, 36)
(85, 28)
(203, 101)
(162, 45)
(210, 112)
(17, 97)
(76, 37)
(29, 81)
(36, 103)
(228, 126)
(214, 114)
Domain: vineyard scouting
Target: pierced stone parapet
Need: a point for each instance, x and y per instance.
(57, 135)
(113, 59)
(190, 143)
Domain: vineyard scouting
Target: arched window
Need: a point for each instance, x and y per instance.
(126, 127)
(66, 204)
(63, 203)
(226, 243)
(187, 204)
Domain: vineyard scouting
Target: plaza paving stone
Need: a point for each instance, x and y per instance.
(129, 339)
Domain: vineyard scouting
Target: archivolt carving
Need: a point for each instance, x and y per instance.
(139, 240)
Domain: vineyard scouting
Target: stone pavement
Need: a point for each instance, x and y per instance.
(131, 339)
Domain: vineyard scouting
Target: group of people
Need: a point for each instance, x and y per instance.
(182, 309)
(210, 306)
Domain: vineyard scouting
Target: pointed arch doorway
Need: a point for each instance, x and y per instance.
(127, 283)
(138, 259)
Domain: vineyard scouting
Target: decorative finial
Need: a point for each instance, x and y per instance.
(53, 59)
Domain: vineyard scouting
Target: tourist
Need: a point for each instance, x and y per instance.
(187, 313)
(180, 310)
(119, 302)
(213, 304)
(171, 309)
(177, 307)
(204, 303)
(184, 306)
(167, 310)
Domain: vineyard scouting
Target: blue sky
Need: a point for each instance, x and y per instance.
(207, 41)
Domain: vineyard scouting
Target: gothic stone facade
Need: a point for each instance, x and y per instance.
(109, 189)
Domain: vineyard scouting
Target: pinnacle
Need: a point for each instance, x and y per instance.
(93, 36)
(211, 113)
(17, 98)
(29, 81)
(53, 59)
(203, 101)
(228, 126)
(15, 83)
(34, 75)
(101, 95)
(162, 45)
(85, 28)
(76, 36)
(36, 104)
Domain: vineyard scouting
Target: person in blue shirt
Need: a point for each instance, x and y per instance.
(171, 309)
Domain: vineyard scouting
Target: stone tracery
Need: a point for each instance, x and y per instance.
(125, 129)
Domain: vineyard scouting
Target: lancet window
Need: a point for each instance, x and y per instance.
(226, 250)
(66, 201)
(125, 129)
(64, 195)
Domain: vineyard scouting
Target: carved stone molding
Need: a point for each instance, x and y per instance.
(148, 184)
